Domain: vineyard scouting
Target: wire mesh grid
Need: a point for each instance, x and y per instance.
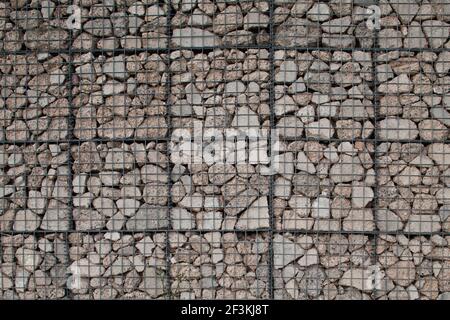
(196, 149)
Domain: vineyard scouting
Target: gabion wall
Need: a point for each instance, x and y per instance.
(95, 205)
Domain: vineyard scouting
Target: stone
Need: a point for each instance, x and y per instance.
(46, 38)
(320, 208)
(322, 129)
(255, 20)
(297, 32)
(284, 105)
(99, 27)
(357, 278)
(244, 118)
(360, 220)
(152, 128)
(285, 251)
(432, 130)
(437, 32)
(148, 217)
(301, 205)
(306, 184)
(118, 159)
(398, 85)
(388, 221)
(311, 283)
(395, 129)
(339, 25)
(310, 258)
(234, 88)
(26, 221)
(195, 38)
(228, 20)
(402, 273)
(439, 153)
(319, 12)
(405, 9)
(347, 169)
(210, 220)
(304, 164)
(361, 196)
(390, 39)
(115, 67)
(153, 282)
(36, 202)
(287, 73)
(255, 217)
(290, 127)
(28, 259)
(57, 217)
(181, 219)
(420, 223)
(416, 37)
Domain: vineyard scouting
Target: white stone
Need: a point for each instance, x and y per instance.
(361, 196)
(320, 208)
(287, 73)
(285, 251)
(304, 164)
(322, 129)
(255, 217)
(181, 219)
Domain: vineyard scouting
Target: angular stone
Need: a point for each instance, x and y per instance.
(405, 9)
(99, 27)
(437, 32)
(285, 251)
(388, 221)
(153, 282)
(57, 217)
(395, 129)
(148, 217)
(361, 196)
(228, 20)
(322, 129)
(297, 32)
(402, 273)
(440, 153)
(195, 38)
(46, 38)
(347, 169)
(287, 72)
(320, 208)
(181, 219)
(421, 223)
(26, 221)
(360, 220)
(115, 67)
(357, 278)
(255, 217)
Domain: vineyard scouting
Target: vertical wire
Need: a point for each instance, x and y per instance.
(169, 133)
(272, 126)
(374, 56)
(71, 141)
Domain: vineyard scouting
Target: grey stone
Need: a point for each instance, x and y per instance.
(115, 67)
(285, 251)
(255, 217)
(181, 219)
(148, 217)
(394, 129)
(422, 223)
(26, 221)
(437, 32)
(405, 9)
(388, 221)
(297, 32)
(194, 37)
